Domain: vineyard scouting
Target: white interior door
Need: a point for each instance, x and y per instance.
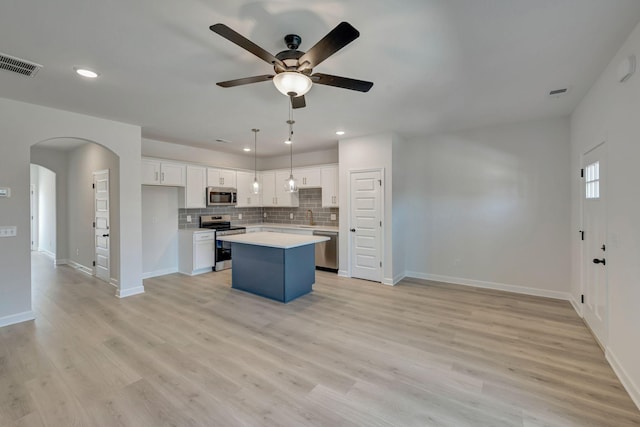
(366, 225)
(594, 223)
(102, 241)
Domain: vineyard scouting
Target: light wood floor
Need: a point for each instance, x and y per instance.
(193, 352)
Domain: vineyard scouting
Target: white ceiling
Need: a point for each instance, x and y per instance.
(437, 65)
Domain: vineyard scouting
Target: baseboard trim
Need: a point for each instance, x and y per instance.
(631, 387)
(393, 281)
(577, 306)
(83, 268)
(58, 262)
(12, 319)
(157, 273)
(491, 285)
(120, 293)
(343, 273)
(47, 253)
(114, 282)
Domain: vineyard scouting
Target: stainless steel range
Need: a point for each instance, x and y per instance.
(222, 226)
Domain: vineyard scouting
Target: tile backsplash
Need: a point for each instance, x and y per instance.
(310, 199)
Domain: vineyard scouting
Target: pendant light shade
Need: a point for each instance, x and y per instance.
(255, 185)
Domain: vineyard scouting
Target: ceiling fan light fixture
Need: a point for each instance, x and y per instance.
(291, 83)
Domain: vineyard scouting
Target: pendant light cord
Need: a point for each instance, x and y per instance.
(255, 153)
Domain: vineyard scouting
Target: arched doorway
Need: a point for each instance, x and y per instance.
(75, 162)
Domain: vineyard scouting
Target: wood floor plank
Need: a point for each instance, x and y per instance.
(191, 351)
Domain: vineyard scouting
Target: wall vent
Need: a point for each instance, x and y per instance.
(17, 65)
(558, 92)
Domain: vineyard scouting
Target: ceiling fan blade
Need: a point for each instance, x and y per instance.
(337, 38)
(245, 43)
(245, 81)
(342, 82)
(298, 102)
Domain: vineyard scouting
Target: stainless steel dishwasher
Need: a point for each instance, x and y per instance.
(327, 252)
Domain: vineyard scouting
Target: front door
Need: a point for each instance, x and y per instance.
(366, 225)
(595, 247)
(102, 241)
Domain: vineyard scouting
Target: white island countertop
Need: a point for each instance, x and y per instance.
(273, 240)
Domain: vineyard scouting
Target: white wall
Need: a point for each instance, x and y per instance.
(168, 150)
(55, 161)
(46, 191)
(368, 152)
(490, 207)
(609, 113)
(25, 124)
(322, 157)
(159, 230)
(82, 162)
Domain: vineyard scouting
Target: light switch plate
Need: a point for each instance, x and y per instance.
(10, 231)
(333, 217)
(291, 216)
(188, 218)
(5, 192)
(239, 216)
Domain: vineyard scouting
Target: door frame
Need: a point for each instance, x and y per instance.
(34, 221)
(583, 250)
(381, 204)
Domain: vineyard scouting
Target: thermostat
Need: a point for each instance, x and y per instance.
(5, 192)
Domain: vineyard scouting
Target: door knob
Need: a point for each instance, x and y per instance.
(353, 230)
(600, 261)
(105, 235)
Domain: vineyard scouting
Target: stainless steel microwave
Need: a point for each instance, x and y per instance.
(218, 196)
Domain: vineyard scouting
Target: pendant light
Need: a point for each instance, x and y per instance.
(255, 186)
(290, 184)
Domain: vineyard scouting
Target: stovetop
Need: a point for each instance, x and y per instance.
(218, 223)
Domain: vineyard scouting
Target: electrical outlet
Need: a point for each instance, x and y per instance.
(291, 216)
(188, 218)
(264, 215)
(239, 216)
(333, 217)
(77, 252)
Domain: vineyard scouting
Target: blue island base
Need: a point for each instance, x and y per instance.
(275, 273)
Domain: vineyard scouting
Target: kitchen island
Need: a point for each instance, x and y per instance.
(278, 266)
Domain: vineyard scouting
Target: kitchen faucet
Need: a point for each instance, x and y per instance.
(310, 213)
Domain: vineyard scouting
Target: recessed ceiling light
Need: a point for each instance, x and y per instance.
(84, 72)
(246, 149)
(340, 132)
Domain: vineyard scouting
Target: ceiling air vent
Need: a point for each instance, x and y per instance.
(17, 65)
(558, 92)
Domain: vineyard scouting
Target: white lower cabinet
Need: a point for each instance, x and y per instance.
(196, 251)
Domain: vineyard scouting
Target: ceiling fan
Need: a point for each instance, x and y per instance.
(293, 68)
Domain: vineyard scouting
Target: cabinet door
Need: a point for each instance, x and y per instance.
(284, 198)
(221, 178)
(172, 174)
(246, 198)
(329, 177)
(227, 178)
(150, 172)
(195, 190)
(308, 177)
(203, 254)
(269, 189)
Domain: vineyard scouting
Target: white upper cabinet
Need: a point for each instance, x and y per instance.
(284, 198)
(221, 178)
(157, 172)
(195, 190)
(273, 193)
(308, 177)
(329, 177)
(246, 198)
